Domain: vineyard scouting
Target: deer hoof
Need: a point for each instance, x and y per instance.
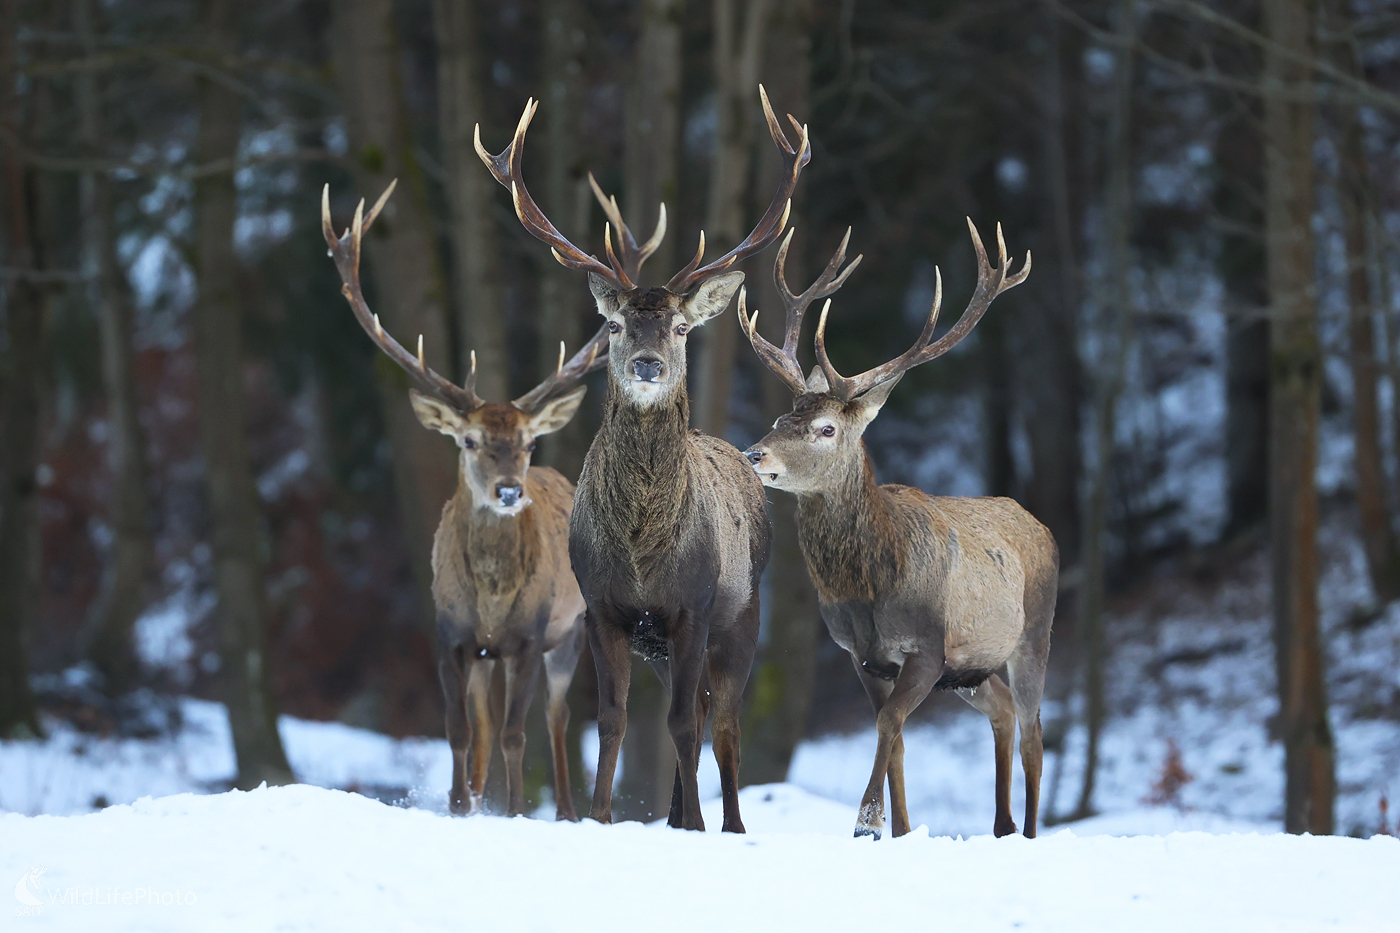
(1004, 829)
(868, 831)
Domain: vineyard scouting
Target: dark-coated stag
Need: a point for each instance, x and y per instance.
(670, 530)
(924, 592)
(501, 579)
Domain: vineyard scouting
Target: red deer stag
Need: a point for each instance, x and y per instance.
(670, 530)
(924, 592)
(501, 579)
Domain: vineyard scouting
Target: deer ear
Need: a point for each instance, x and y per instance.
(604, 293)
(867, 406)
(816, 382)
(710, 297)
(555, 413)
(436, 415)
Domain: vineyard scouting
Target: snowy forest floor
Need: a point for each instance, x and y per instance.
(1191, 670)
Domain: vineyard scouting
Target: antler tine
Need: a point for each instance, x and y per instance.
(632, 255)
(505, 168)
(585, 361)
(827, 284)
(783, 361)
(990, 283)
(783, 364)
(771, 225)
(345, 250)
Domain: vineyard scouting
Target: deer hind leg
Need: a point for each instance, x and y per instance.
(614, 666)
(459, 730)
(1027, 685)
(522, 671)
(993, 698)
(482, 731)
(559, 667)
(916, 678)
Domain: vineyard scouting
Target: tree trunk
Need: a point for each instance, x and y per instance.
(737, 56)
(20, 373)
(652, 159)
(476, 261)
(566, 309)
(1052, 387)
(1111, 372)
(1377, 533)
(1238, 200)
(780, 695)
(107, 633)
(1295, 367)
(239, 574)
(403, 258)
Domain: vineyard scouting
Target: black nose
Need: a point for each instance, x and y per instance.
(755, 456)
(647, 370)
(509, 495)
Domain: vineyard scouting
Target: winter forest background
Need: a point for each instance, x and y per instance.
(206, 461)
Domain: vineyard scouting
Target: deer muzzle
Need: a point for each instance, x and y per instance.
(767, 466)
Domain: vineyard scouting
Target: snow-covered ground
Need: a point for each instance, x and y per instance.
(306, 858)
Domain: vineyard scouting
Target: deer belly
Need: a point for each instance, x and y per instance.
(984, 641)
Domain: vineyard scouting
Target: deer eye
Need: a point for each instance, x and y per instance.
(682, 329)
(530, 447)
(614, 327)
(468, 443)
(828, 430)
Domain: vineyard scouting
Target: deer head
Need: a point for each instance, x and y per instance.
(495, 439)
(813, 446)
(647, 327)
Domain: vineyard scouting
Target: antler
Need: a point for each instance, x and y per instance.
(585, 361)
(632, 255)
(783, 361)
(506, 170)
(346, 252)
(773, 220)
(990, 283)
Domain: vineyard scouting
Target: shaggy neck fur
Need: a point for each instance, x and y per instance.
(847, 534)
(643, 474)
(500, 548)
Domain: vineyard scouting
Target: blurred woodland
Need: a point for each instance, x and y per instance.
(212, 484)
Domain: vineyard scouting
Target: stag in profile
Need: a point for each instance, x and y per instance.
(924, 592)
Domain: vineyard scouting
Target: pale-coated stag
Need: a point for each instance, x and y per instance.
(924, 592)
(670, 530)
(502, 585)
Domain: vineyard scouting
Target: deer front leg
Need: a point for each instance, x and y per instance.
(729, 666)
(522, 671)
(687, 648)
(483, 727)
(614, 667)
(459, 730)
(916, 678)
